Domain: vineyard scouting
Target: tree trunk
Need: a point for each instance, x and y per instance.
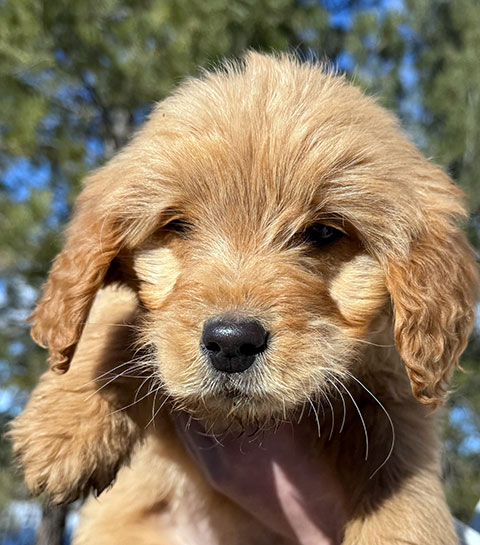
(52, 527)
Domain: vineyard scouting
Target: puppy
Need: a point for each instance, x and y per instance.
(268, 244)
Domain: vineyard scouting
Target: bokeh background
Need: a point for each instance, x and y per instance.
(77, 77)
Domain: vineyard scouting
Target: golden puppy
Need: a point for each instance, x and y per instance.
(268, 244)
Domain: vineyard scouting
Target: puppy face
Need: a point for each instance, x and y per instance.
(267, 215)
(254, 303)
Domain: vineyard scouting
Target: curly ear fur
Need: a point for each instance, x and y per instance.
(434, 293)
(107, 219)
(77, 274)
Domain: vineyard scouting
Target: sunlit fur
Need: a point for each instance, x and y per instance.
(248, 157)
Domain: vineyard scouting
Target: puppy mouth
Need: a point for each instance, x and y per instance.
(231, 386)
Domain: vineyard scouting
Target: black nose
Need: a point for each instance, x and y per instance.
(232, 345)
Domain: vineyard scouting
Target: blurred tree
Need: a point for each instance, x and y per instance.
(447, 46)
(52, 527)
(78, 78)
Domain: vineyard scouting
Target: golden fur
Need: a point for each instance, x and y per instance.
(247, 158)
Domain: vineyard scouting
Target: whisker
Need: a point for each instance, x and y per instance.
(138, 364)
(333, 417)
(95, 379)
(154, 414)
(210, 436)
(389, 420)
(255, 435)
(375, 344)
(359, 414)
(106, 384)
(111, 324)
(343, 403)
(301, 414)
(210, 433)
(320, 404)
(126, 374)
(149, 392)
(316, 416)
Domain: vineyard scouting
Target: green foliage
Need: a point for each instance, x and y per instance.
(78, 77)
(461, 460)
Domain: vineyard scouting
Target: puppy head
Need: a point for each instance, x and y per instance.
(266, 214)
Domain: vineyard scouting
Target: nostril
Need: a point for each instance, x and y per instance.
(249, 349)
(212, 347)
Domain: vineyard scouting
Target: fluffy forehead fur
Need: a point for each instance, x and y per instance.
(272, 142)
(248, 157)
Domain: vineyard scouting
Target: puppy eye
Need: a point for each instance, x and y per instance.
(178, 225)
(320, 234)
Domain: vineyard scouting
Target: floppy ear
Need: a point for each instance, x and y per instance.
(110, 216)
(92, 241)
(434, 292)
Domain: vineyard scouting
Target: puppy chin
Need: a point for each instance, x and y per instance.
(235, 400)
(234, 414)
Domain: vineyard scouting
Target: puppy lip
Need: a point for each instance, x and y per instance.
(234, 394)
(230, 385)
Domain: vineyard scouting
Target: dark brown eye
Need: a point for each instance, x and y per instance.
(178, 225)
(320, 234)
